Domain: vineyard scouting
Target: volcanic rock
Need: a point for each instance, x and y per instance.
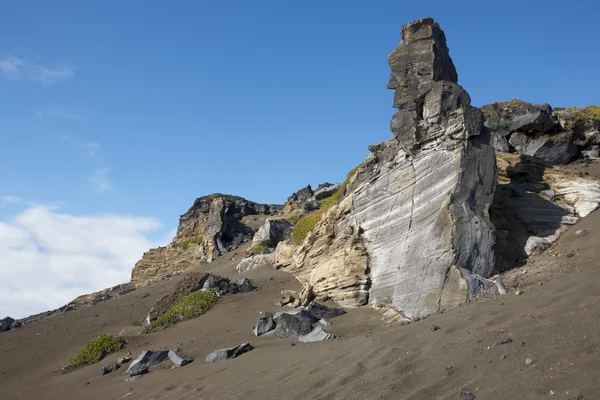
(227, 354)
(413, 221)
(272, 232)
(317, 335)
(214, 225)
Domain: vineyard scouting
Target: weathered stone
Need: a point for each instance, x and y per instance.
(264, 325)
(326, 190)
(107, 369)
(545, 148)
(146, 360)
(320, 311)
(503, 118)
(306, 295)
(466, 396)
(214, 225)
(6, 324)
(419, 204)
(534, 203)
(292, 323)
(244, 285)
(272, 232)
(254, 261)
(581, 233)
(177, 360)
(227, 354)
(317, 335)
(124, 360)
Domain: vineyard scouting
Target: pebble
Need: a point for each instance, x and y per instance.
(124, 360)
(448, 371)
(466, 396)
(581, 233)
(518, 292)
(434, 327)
(529, 361)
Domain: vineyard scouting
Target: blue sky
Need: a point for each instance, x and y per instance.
(129, 110)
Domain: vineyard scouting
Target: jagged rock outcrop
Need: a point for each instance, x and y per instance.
(272, 232)
(413, 223)
(306, 200)
(214, 225)
(534, 203)
(554, 136)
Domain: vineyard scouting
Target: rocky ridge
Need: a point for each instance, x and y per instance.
(214, 225)
(413, 222)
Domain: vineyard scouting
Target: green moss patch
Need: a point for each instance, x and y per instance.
(293, 219)
(191, 306)
(589, 112)
(96, 350)
(186, 243)
(259, 249)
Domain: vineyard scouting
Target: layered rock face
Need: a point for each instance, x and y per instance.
(214, 225)
(414, 218)
(555, 137)
(534, 203)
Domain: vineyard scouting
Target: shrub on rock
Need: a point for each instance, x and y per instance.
(191, 306)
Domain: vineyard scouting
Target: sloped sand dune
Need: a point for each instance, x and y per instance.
(555, 323)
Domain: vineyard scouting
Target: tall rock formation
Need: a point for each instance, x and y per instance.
(214, 225)
(413, 224)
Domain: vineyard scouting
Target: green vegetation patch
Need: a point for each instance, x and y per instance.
(96, 350)
(191, 306)
(589, 112)
(260, 248)
(308, 222)
(293, 219)
(186, 243)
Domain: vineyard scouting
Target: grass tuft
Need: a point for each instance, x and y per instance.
(308, 222)
(96, 350)
(293, 219)
(191, 306)
(260, 248)
(186, 243)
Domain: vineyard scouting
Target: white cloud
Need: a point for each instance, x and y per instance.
(10, 67)
(14, 68)
(49, 258)
(11, 200)
(100, 180)
(52, 75)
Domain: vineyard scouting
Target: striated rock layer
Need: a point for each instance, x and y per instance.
(214, 225)
(413, 223)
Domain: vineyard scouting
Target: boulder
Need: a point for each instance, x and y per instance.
(321, 311)
(107, 369)
(305, 296)
(504, 118)
(264, 325)
(227, 354)
(418, 205)
(317, 335)
(326, 190)
(148, 359)
(8, 323)
(545, 148)
(214, 225)
(272, 232)
(244, 285)
(254, 261)
(292, 323)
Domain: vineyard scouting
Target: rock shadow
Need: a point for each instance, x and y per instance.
(523, 207)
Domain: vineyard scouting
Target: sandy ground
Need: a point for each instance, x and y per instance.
(554, 321)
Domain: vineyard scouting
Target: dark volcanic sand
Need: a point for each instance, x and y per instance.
(556, 324)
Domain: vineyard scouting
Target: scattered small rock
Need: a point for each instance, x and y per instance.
(581, 233)
(86, 383)
(229, 353)
(529, 361)
(132, 378)
(107, 369)
(127, 395)
(503, 357)
(317, 335)
(515, 283)
(571, 254)
(448, 371)
(435, 327)
(505, 341)
(518, 292)
(466, 396)
(123, 360)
